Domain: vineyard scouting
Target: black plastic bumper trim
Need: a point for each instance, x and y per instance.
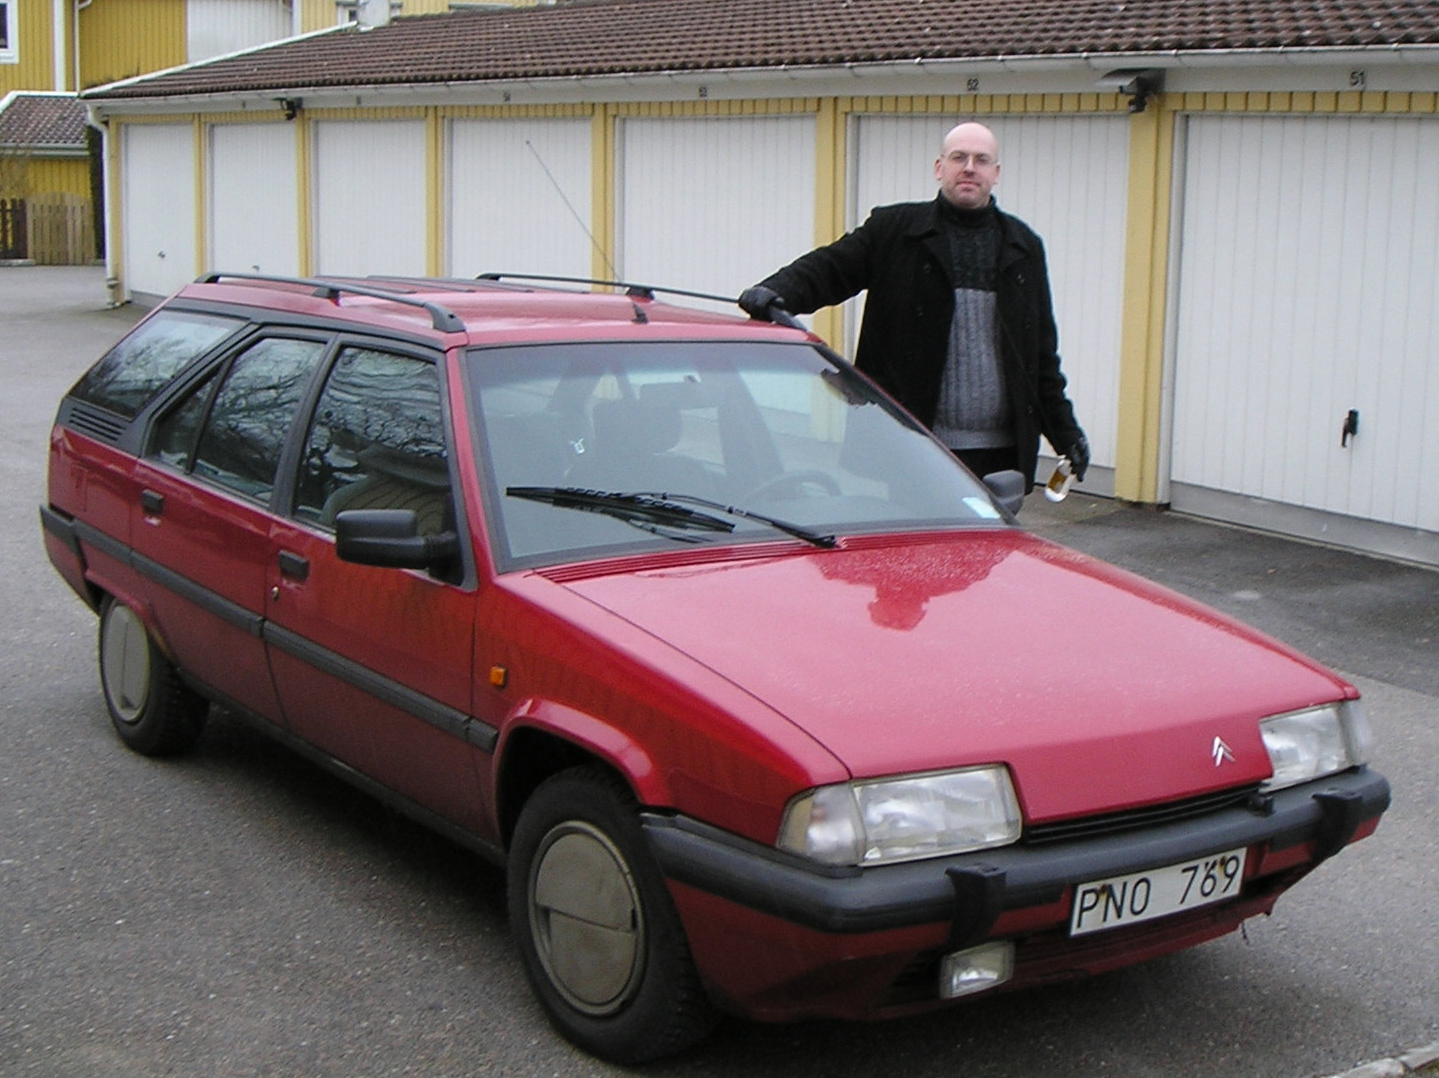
(971, 890)
(441, 716)
(62, 528)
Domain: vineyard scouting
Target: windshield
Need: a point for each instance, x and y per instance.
(777, 440)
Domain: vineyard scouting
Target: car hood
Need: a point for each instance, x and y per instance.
(1101, 691)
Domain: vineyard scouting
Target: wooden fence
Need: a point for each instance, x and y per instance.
(14, 237)
(52, 229)
(61, 229)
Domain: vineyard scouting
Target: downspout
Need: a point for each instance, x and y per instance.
(58, 11)
(112, 280)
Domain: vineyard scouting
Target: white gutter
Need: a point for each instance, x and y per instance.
(590, 86)
(1307, 56)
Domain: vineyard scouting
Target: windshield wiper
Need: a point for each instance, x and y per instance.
(645, 511)
(813, 538)
(655, 510)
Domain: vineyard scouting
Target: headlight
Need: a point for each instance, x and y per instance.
(1307, 745)
(879, 821)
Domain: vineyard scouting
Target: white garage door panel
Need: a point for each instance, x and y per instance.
(370, 197)
(158, 168)
(1067, 177)
(1307, 278)
(519, 193)
(254, 208)
(714, 205)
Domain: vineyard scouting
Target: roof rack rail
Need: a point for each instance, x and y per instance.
(441, 317)
(778, 315)
(639, 291)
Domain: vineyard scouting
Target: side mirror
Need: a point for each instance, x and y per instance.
(389, 538)
(1007, 488)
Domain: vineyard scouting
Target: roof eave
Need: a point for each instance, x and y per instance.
(592, 85)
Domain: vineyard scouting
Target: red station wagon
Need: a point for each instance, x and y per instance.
(749, 684)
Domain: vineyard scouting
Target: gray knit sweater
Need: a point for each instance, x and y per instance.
(974, 408)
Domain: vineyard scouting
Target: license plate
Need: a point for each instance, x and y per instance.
(1127, 900)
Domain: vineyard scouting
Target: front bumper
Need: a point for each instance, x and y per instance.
(814, 919)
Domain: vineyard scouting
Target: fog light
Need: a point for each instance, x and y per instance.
(966, 972)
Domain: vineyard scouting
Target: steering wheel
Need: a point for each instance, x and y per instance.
(806, 477)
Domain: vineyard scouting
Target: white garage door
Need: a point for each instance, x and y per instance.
(519, 195)
(157, 163)
(1067, 177)
(715, 204)
(254, 206)
(370, 197)
(1307, 277)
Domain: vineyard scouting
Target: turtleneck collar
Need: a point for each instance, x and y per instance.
(964, 218)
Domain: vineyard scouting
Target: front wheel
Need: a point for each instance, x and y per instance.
(153, 711)
(601, 941)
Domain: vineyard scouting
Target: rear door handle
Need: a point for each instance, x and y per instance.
(294, 566)
(152, 501)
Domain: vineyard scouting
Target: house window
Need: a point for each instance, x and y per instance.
(9, 45)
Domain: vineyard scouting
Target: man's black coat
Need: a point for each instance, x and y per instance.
(902, 257)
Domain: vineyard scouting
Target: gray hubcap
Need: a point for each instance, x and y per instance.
(125, 662)
(586, 918)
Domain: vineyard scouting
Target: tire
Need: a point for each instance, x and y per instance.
(601, 941)
(152, 710)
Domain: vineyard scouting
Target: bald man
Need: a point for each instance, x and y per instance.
(958, 323)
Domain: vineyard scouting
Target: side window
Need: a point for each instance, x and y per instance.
(377, 442)
(9, 47)
(254, 407)
(140, 365)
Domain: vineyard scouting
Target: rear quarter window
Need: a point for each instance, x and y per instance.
(144, 362)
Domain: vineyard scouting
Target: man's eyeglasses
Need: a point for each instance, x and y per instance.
(963, 160)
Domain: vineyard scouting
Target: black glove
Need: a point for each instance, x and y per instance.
(757, 301)
(1078, 455)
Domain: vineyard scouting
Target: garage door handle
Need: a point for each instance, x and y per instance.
(294, 566)
(153, 502)
(1350, 428)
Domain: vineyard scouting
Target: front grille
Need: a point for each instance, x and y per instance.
(1134, 819)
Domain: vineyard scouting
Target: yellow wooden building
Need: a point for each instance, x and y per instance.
(57, 47)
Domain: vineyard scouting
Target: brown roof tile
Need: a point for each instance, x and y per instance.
(42, 120)
(612, 37)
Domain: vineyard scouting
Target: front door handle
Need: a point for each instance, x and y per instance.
(294, 566)
(152, 501)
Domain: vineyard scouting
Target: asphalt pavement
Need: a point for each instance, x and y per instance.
(240, 913)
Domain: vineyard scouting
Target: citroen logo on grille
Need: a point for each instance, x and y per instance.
(1221, 752)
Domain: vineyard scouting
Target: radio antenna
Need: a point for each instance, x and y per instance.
(570, 206)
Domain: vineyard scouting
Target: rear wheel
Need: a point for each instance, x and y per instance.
(601, 941)
(153, 711)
